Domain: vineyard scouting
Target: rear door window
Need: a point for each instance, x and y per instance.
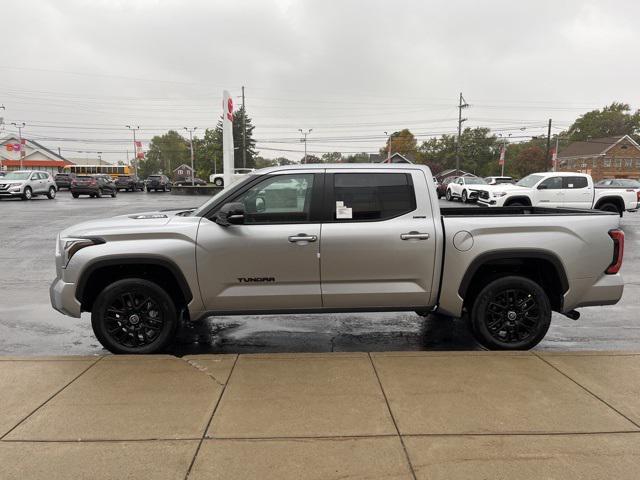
(371, 196)
(574, 182)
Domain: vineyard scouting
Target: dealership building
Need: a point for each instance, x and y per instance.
(34, 156)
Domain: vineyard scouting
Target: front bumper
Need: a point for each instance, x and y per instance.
(487, 203)
(62, 295)
(7, 194)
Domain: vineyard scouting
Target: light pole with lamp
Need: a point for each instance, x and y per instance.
(388, 147)
(193, 170)
(304, 134)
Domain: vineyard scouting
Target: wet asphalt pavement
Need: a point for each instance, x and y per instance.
(29, 326)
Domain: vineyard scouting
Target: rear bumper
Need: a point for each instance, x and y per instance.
(606, 291)
(84, 190)
(63, 298)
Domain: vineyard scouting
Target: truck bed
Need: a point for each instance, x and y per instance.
(515, 211)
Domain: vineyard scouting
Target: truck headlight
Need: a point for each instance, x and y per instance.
(68, 247)
(499, 194)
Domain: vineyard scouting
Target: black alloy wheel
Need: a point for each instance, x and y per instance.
(511, 313)
(134, 316)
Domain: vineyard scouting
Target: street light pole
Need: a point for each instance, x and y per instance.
(135, 150)
(193, 170)
(304, 134)
(20, 127)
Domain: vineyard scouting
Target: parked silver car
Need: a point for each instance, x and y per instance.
(27, 184)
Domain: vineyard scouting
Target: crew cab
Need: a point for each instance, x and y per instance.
(336, 238)
(238, 174)
(559, 189)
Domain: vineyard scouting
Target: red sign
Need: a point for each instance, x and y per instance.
(230, 109)
(502, 152)
(9, 147)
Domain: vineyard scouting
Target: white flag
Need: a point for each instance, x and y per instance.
(227, 138)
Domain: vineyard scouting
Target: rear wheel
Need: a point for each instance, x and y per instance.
(114, 192)
(609, 207)
(218, 182)
(511, 313)
(75, 195)
(134, 316)
(52, 193)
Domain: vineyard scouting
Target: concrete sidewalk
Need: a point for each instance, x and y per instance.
(424, 415)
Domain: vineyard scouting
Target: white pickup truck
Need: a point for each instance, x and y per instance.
(558, 189)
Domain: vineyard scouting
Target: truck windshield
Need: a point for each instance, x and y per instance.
(529, 181)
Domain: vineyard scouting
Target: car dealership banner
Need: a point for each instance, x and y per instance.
(227, 138)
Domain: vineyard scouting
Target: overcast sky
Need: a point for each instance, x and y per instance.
(76, 72)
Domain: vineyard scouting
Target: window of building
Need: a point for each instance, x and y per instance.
(628, 162)
(372, 196)
(607, 162)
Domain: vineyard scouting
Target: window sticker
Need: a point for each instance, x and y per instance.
(343, 212)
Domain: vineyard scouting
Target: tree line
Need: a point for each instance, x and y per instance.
(479, 147)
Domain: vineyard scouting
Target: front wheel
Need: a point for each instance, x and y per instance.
(448, 195)
(27, 194)
(51, 194)
(134, 316)
(464, 197)
(75, 195)
(511, 313)
(99, 193)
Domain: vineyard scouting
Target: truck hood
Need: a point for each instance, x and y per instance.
(123, 224)
(503, 187)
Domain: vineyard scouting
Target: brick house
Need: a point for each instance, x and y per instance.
(34, 156)
(609, 157)
(183, 172)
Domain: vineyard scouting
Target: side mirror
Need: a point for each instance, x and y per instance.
(230, 213)
(542, 187)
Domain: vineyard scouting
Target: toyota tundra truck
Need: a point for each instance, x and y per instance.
(336, 238)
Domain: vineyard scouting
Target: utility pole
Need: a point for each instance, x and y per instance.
(1, 123)
(554, 157)
(548, 143)
(193, 170)
(20, 127)
(388, 147)
(244, 133)
(304, 134)
(462, 103)
(135, 150)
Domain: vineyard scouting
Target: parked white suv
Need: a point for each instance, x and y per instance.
(465, 188)
(27, 184)
(218, 178)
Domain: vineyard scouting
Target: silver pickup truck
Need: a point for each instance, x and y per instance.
(337, 238)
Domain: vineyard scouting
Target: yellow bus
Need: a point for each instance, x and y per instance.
(113, 170)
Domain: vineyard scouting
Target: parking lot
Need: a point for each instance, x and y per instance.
(29, 326)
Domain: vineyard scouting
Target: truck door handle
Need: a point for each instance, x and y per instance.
(414, 235)
(302, 237)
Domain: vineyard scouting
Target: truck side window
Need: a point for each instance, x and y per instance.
(574, 182)
(552, 183)
(278, 199)
(372, 196)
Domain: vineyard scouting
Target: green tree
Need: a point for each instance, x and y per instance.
(615, 119)
(310, 159)
(331, 157)
(528, 158)
(356, 158)
(238, 117)
(402, 142)
(261, 162)
(166, 152)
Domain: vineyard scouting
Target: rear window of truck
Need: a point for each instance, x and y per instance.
(372, 196)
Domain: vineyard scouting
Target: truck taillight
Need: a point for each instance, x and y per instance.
(618, 251)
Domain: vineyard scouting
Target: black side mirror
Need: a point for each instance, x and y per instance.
(542, 187)
(230, 213)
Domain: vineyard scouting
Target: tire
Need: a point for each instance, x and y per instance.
(218, 182)
(448, 195)
(27, 194)
(114, 193)
(465, 199)
(164, 189)
(148, 190)
(511, 313)
(516, 204)
(75, 195)
(99, 193)
(51, 194)
(124, 301)
(609, 207)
